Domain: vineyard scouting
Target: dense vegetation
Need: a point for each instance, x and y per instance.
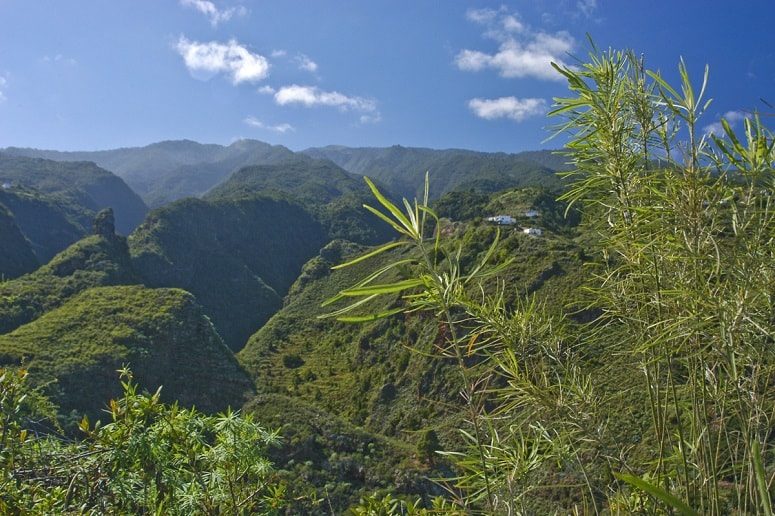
(401, 169)
(161, 333)
(97, 260)
(81, 183)
(16, 257)
(618, 362)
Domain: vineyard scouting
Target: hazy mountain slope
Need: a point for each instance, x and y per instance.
(233, 255)
(82, 183)
(301, 177)
(165, 171)
(50, 222)
(334, 196)
(402, 169)
(97, 260)
(16, 256)
(161, 334)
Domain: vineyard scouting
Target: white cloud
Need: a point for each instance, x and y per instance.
(3, 84)
(507, 107)
(215, 15)
(280, 128)
(482, 16)
(60, 59)
(278, 53)
(587, 7)
(370, 119)
(312, 96)
(521, 51)
(266, 90)
(305, 63)
(204, 60)
(732, 117)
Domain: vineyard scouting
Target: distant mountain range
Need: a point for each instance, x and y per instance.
(166, 171)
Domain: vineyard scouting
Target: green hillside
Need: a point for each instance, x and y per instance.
(161, 334)
(402, 169)
(50, 222)
(82, 183)
(330, 464)
(332, 195)
(16, 256)
(233, 255)
(97, 260)
(366, 373)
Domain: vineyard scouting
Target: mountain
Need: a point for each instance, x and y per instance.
(366, 373)
(49, 222)
(97, 260)
(16, 256)
(402, 169)
(236, 256)
(161, 334)
(166, 171)
(82, 183)
(332, 195)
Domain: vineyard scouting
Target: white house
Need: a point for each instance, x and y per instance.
(533, 231)
(503, 220)
(531, 214)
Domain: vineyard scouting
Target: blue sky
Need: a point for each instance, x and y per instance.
(95, 74)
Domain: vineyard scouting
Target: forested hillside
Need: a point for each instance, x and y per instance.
(402, 169)
(81, 183)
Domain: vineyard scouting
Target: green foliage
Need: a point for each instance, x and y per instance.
(48, 221)
(92, 262)
(685, 282)
(162, 333)
(16, 256)
(401, 169)
(149, 458)
(235, 256)
(682, 288)
(329, 464)
(331, 195)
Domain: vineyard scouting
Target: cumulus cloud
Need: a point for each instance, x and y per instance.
(507, 107)
(732, 118)
(60, 59)
(587, 7)
(204, 60)
(521, 52)
(215, 15)
(280, 128)
(3, 85)
(312, 96)
(266, 90)
(305, 63)
(278, 53)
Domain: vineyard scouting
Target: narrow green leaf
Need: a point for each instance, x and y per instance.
(658, 493)
(392, 208)
(388, 220)
(387, 288)
(347, 308)
(368, 279)
(761, 478)
(370, 317)
(371, 254)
